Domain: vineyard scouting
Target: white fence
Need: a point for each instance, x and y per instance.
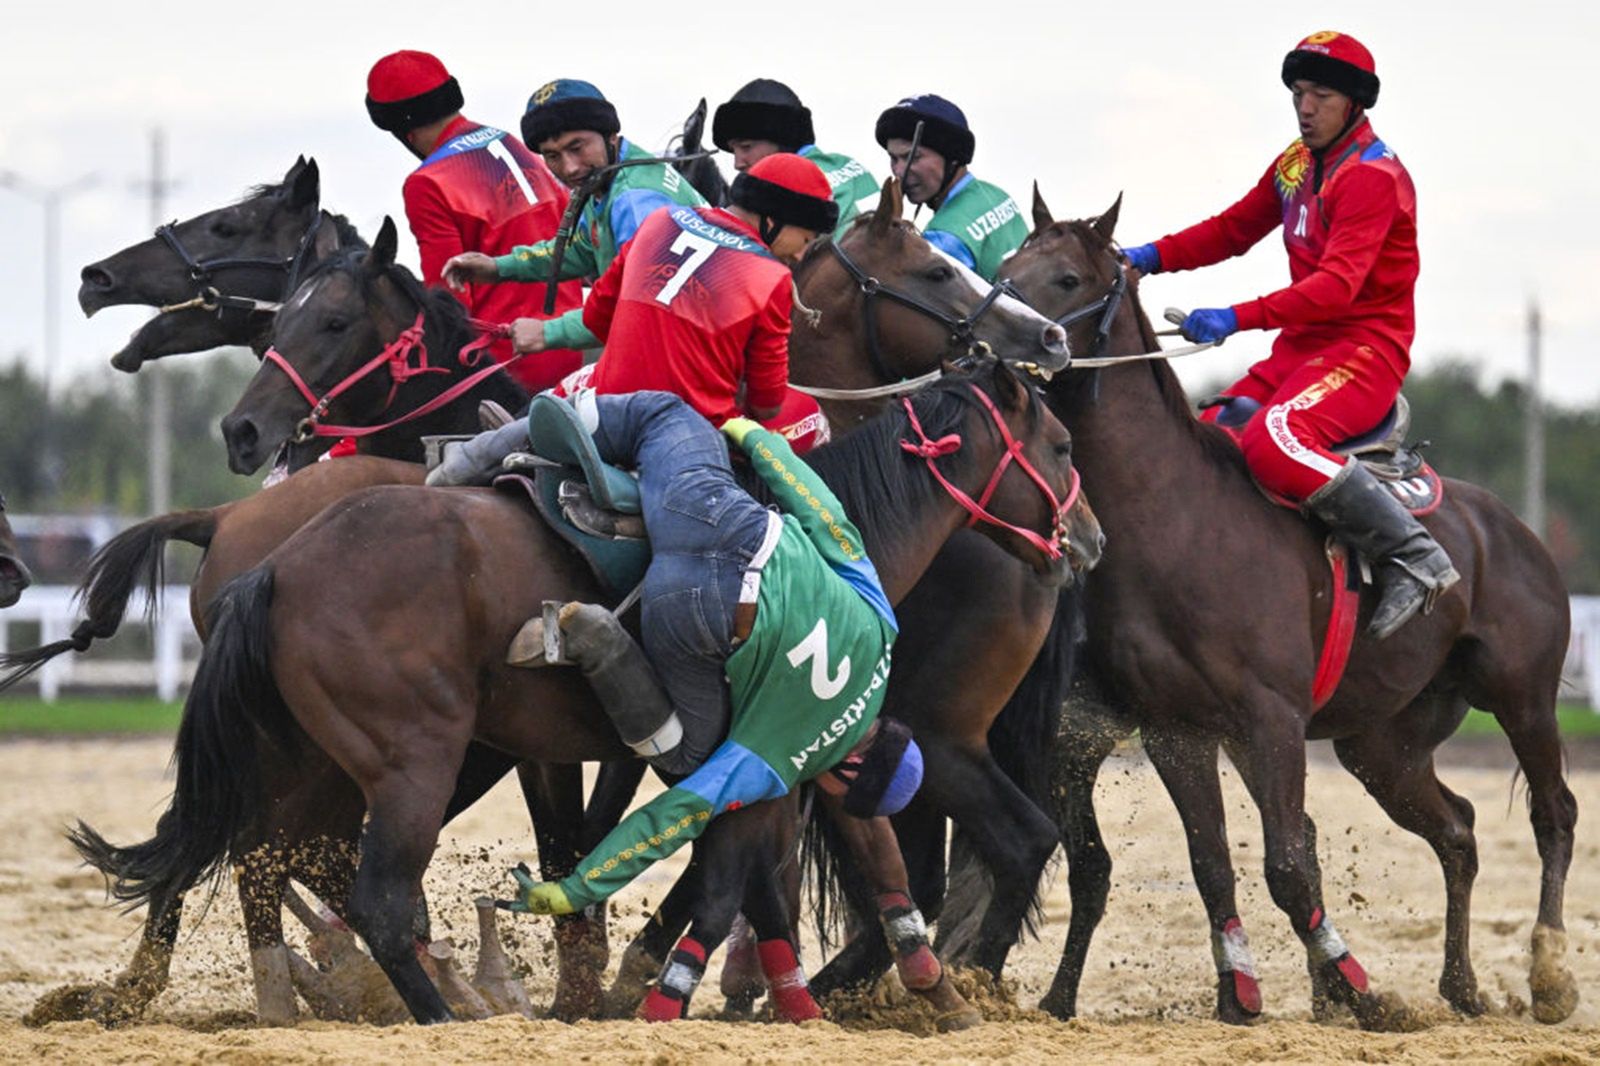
(167, 668)
(175, 648)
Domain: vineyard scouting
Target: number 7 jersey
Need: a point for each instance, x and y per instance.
(694, 305)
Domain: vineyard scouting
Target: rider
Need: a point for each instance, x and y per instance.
(577, 131)
(698, 304)
(1348, 211)
(766, 117)
(477, 187)
(973, 221)
(768, 641)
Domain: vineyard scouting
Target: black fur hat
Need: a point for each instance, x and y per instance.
(764, 110)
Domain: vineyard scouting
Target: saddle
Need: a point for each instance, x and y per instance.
(1398, 465)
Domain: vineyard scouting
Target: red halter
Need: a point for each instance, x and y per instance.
(932, 449)
(397, 357)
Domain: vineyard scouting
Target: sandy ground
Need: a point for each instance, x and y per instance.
(1147, 994)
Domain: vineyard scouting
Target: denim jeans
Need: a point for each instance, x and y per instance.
(704, 530)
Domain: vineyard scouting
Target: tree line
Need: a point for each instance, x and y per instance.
(84, 447)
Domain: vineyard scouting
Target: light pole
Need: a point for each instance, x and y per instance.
(50, 198)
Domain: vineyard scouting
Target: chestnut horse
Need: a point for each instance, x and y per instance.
(1205, 621)
(323, 635)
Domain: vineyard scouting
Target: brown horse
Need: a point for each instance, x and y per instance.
(324, 633)
(1204, 625)
(14, 576)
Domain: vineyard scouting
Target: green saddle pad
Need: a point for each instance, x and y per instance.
(557, 434)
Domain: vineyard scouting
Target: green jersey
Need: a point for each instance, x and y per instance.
(979, 224)
(606, 223)
(854, 190)
(806, 685)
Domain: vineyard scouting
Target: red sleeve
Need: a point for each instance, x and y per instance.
(438, 236)
(601, 306)
(1361, 207)
(766, 354)
(1233, 232)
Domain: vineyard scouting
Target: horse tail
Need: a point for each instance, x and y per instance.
(133, 559)
(1021, 741)
(217, 790)
(825, 868)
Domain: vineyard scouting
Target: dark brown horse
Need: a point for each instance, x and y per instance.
(218, 276)
(14, 576)
(322, 631)
(1204, 625)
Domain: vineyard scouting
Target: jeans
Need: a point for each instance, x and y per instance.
(704, 530)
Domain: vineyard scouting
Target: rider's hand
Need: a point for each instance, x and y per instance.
(469, 268)
(535, 897)
(1209, 325)
(1144, 258)
(527, 335)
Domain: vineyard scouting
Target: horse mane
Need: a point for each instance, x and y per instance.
(1214, 442)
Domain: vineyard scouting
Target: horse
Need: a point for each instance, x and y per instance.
(14, 575)
(217, 277)
(238, 535)
(700, 170)
(1200, 639)
(394, 679)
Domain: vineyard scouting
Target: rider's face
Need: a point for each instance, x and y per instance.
(1321, 111)
(575, 154)
(790, 242)
(920, 181)
(747, 153)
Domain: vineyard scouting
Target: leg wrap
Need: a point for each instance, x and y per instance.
(1230, 947)
(786, 982)
(1325, 945)
(907, 935)
(669, 999)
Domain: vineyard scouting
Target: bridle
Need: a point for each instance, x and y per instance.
(210, 297)
(1106, 307)
(929, 450)
(961, 328)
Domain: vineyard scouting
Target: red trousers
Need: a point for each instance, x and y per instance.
(1331, 397)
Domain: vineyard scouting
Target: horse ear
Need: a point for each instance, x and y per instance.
(1106, 224)
(1041, 211)
(305, 187)
(1008, 387)
(384, 248)
(890, 207)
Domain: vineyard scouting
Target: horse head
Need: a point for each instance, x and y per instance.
(354, 307)
(214, 270)
(14, 576)
(702, 173)
(1066, 269)
(884, 290)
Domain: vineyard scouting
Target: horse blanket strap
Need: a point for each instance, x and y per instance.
(1341, 622)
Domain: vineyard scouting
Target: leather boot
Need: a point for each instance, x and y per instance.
(477, 461)
(1411, 564)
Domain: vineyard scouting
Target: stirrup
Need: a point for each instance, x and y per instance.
(538, 642)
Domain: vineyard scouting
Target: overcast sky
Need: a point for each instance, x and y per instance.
(1177, 104)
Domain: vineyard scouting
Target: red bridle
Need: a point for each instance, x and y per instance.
(930, 450)
(397, 356)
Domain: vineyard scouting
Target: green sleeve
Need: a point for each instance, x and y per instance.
(568, 331)
(645, 837)
(531, 262)
(799, 491)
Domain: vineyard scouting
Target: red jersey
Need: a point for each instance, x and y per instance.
(694, 305)
(1349, 218)
(481, 190)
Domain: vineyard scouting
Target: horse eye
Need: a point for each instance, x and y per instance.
(1069, 281)
(224, 230)
(335, 325)
(942, 272)
(1064, 449)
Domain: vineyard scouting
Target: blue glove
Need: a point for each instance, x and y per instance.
(1210, 325)
(1144, 258)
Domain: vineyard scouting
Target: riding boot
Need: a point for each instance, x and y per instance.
(622, 678)
(477, 461)
(1414, 569)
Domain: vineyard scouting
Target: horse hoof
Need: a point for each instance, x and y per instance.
(83, 1003)
(739, 1005)
(634, 977)
(1238, 999)
(1555, 992)
(1385, 1012)
(1059, 1006)
(1465, 999)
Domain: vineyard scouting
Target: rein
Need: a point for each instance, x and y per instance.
(397, 356)
(210, 297)
(1107, 307)
(929, 450)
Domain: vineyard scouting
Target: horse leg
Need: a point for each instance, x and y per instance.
(130, 992)
(1081, 751)
(1187, 766)
(648, 952)
(1395, 764)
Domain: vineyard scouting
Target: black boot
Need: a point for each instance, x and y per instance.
(1412, 565)
(616, 667)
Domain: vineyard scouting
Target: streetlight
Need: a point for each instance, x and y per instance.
(50, 197)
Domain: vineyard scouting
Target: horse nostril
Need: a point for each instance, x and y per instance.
(1054, 339)
(98, 278)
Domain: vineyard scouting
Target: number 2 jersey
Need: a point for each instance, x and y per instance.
(694, 305)
(482, 190)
